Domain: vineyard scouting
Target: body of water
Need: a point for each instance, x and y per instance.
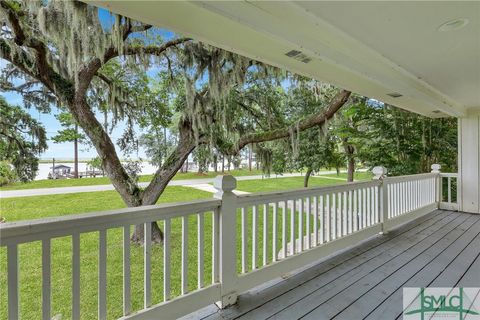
(45, 168)
(147, 167)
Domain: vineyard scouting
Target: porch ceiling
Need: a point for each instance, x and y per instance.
(373, 48)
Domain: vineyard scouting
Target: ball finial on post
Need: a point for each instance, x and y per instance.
(436, 168)
(224, 184)
(379, 172)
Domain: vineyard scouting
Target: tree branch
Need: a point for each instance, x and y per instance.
(22, 39)
(18, 57)
(90, 70)
(15, 140)
(19, 35)
(318, 119)
(20, 88)
(255, 113)
(154, 50)
(35, 65)
(104, 78)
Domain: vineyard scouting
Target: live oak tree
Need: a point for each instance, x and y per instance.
(65, 56)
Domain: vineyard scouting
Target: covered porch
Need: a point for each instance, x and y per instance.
(342, 251)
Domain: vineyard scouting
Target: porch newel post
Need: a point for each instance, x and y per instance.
(438, 183)
(380, 173)
(228, 248)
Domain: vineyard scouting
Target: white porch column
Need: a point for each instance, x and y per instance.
(469, 164)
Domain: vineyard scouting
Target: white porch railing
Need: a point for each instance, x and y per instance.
(300, 226)
(250, 238)
(14, 234)
(448, 191)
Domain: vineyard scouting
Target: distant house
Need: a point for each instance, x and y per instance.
(59, 171)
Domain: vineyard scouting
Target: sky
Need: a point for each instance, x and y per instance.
(51, 124)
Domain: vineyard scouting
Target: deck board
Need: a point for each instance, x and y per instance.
(471, 277)
(416, 271)
(439, 249)
(439, 268)
(325, 304)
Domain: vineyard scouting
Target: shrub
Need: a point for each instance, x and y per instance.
(7, 174)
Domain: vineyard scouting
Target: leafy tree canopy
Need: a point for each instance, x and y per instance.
(22, 139)
(68, 134)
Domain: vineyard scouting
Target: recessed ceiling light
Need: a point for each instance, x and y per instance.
(454, 24)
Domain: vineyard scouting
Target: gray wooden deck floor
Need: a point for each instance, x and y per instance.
(441, 249)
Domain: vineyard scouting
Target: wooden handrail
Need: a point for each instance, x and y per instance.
(38, 229)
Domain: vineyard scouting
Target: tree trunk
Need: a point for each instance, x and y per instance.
(223, 164)
(160, 180)
(350, 169)
(138, 234)
(165, 146)
(350, 152)
(215, 163)
(307, 177)
(250, 158)
(75, 154)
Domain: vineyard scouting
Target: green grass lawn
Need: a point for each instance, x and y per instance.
(274, 184)
(104, 180)
(14, 209)
(363, 175)
(37, 184)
